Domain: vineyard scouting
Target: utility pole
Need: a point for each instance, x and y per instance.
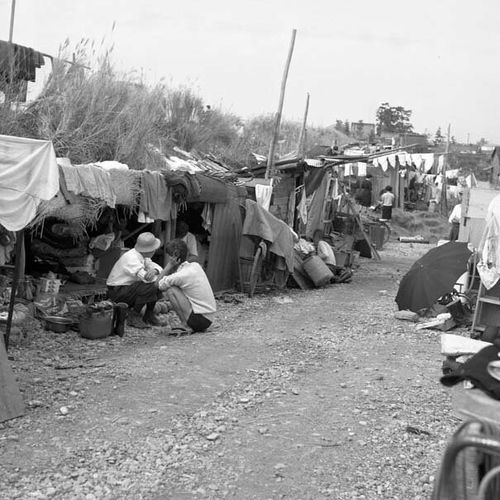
(277, 123)
(302, 139)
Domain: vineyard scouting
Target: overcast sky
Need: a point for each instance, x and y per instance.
(438, 58)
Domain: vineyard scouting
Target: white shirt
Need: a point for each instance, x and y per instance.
(325, 252)
(193, 282)
(387, 199)
(129, 268)
(456, 214)
(190, 240)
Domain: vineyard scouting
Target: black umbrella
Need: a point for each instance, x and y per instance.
(432, 276)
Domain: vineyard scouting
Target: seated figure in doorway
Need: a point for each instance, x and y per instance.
(327, 255)
(187, 288)
(189, 239)
(132, 281)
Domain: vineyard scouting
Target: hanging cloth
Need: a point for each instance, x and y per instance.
(28, 175)
(263, 194)
(207, 215)
(315, 212)
(155, 196)
(302, 207)
(361, 169)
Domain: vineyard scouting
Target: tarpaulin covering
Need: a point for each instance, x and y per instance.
(211, 190)
(28, 175)
(259, 222)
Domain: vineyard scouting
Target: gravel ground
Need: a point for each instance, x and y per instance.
(317, 394)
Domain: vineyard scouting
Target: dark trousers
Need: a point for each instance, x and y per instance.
(386, 212)
(455, 229)
(136, 295)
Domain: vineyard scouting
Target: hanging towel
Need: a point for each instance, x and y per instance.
(28, 175)
(263, 195)
(155, 196)
(428, 159)
(417, 161)
(361, 169)
(391, 159)
(207, 215)
(382, 161)
(402, 159)
(348, 169)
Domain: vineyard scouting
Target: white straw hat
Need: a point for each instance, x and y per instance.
(147, 242)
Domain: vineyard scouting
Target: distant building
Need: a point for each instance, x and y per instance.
(362, 131)
(408, 139)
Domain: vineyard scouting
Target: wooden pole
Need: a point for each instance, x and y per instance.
(17, 273)
(444, 195)
(277, 123)
(12, 14)
(302, 138)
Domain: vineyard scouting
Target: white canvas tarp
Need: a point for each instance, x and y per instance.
(28, 175)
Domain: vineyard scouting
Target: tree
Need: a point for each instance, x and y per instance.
(393, 119)
(438, 137)
(339, 125)
(347, 128)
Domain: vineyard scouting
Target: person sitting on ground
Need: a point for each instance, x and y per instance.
(326, 254)
(189, 239)
(387, 201)
(187, 288)
(132, 280)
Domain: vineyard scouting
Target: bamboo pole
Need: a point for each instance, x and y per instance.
(12, 14)
(19, 267)
(444, 194)
(302, 139)
(277, 123)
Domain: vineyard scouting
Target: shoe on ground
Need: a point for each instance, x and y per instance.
(135, 321)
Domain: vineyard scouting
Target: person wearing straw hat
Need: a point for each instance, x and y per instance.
(132, 281)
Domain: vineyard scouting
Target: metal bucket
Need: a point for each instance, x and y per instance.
(317, 270)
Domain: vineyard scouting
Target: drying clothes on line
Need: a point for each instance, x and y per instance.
(416, 159)
(391, 160)
(263, 195)
(428, 160)
(261, 223)
(349, 169)
(25, 62)
(361, 169)
(90, 180)
(28, 175)
(154, 199)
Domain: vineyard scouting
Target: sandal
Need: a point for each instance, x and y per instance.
(180, 330)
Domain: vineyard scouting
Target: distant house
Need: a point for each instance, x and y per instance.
(408, 139)
(362, 131)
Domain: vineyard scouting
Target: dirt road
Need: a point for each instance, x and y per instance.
(301, 395)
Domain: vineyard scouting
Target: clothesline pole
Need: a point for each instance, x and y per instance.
(19, 267)
(302, 138)
(12, 14)
(277, 122)
(444, 194)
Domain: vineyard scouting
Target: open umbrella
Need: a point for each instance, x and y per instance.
(432, 276)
